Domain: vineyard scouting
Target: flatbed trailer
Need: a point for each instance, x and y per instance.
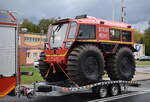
(102, 89)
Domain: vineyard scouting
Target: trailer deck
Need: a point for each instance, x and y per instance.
(102, 89)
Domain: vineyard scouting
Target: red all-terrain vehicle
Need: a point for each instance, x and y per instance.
(81, 49)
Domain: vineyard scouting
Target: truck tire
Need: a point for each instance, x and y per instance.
(51, 77)
(85, 64)
(121, 66)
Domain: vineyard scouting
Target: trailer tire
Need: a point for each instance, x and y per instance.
(102, 91)
(85, 64)
(114, 89)
(121, 66)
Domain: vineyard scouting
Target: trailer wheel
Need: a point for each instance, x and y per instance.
(85, 64)
(121, 66)
(102, 91)
(114, 90)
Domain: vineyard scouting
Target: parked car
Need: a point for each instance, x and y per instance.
(144, 58)
(36, 63)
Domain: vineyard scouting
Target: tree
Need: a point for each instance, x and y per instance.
(146, 40)
(30, 26)
(41, 27)
(35, 28)
(44, 24)
(138, 37)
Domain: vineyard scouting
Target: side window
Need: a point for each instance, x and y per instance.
(87, 31)
(72, 30)
(126, 36)
(114, 34)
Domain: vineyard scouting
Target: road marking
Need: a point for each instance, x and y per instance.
(119, 96)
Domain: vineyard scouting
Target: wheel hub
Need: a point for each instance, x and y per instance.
(115, 90)
(102, 92)
(91, 67)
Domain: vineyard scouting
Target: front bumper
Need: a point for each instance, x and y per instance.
(55, 59)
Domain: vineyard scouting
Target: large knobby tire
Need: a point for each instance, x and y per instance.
(85, 64)
(121, 66)
(51, 77)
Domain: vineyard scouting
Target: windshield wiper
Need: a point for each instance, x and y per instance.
(58, 27)
(53, 32)
(53, 36)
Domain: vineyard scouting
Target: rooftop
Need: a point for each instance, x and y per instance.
(102, 21)
(92, 20)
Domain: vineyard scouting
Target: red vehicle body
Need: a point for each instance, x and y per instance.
(101, 37)
(8, 53)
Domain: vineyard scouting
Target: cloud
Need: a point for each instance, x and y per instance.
(137, 10)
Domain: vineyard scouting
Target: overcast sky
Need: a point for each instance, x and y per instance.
(138, 11)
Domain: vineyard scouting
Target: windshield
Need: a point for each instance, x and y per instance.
(57, 35)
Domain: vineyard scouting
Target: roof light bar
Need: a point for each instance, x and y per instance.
(81, 16)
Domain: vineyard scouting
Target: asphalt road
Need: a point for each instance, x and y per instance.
(142, 69)
(139, 94)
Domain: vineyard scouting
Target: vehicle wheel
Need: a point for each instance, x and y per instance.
(102, 91)
(85, 64)
(114, 90)
(121, 66)
(51, 77)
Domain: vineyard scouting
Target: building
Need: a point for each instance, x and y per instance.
(30, 46)
(140, 50)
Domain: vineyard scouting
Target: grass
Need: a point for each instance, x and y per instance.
(37, 77)
(142, 63)
(30, 79)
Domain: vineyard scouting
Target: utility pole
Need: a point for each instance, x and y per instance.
(123, 13)
(113, 10)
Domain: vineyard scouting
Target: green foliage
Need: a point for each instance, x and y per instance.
(147, 41)
(30, 79)
(30, 26)
(138, 37)
(41, 27)
(142, 63)
(44, 24)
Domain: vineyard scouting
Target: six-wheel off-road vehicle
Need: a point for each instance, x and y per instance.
(81, 49)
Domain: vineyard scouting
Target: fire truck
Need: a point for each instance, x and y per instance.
(9, 74)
